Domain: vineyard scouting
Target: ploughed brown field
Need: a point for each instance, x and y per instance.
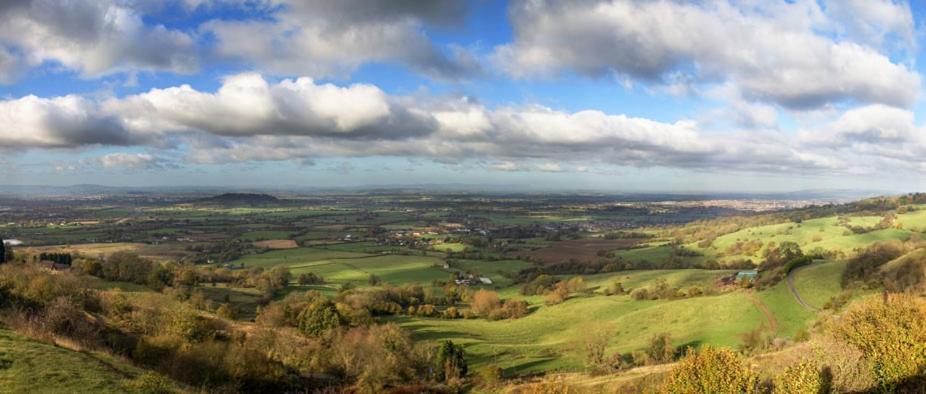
(277, 244)
(583, 250)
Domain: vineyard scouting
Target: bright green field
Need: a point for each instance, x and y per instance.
(681, 278)
(816, 284)
(291, 257)
(790, 315)
(449, 247)
(27, 366)
(340, 266)
(547, 338)
(819, 282)
(393, 269)
(915, 220)
(360, 247)
(825, 233)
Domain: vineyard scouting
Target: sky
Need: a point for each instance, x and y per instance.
(711, 95)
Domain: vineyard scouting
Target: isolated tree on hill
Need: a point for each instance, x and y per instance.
(451, 361)
(778, 256)
(309, 278)
(484, 302)
(2, 251)
(660, 349)
(595, 342)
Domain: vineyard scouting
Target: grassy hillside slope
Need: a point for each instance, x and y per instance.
(547, 339)
(28, 366)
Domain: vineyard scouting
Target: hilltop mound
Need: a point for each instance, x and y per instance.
(905, 273)
(236, 199)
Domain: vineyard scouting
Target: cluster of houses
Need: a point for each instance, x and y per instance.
(470, 279)
(424, 236)
(467, 230)
(402, 240)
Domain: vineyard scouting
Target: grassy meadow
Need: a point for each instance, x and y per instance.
(547, 339)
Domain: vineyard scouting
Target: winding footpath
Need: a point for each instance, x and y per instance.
(797, 296)
(769, 316)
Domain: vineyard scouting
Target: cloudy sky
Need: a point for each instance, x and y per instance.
(613, 95)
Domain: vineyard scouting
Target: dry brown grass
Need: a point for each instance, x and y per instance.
(634, 380)
(98, 249)
(166, 251)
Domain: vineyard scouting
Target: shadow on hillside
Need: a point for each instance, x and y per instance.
(683, 349)
(912, 385)
(522, 369)
(423, 331)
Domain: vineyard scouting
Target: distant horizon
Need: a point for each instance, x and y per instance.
(459, 188)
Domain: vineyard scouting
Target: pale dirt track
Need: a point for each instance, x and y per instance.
(769, 316)
(797, 296)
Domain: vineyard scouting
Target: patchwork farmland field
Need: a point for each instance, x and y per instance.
(583, 250)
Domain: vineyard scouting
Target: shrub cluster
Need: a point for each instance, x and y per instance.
(712, 370)
(864, 266)
(891, 334)
(661, 290)
(487, 304)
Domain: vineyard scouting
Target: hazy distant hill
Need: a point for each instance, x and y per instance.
(238, 199)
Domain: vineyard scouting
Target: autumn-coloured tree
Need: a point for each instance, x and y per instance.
(484, 302)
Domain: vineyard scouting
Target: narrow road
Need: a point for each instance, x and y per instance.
(797, 296)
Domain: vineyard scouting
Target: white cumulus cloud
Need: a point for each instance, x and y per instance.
(775, 52)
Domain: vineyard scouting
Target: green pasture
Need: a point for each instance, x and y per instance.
(819, 282)
(392, 269)
(816, 284)
(790, 315)
(290, 257)
(825, 233)
(864, 221)
(361, 247)
(450, 247)
(680, 278)
(548, 338)
(913, 220)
